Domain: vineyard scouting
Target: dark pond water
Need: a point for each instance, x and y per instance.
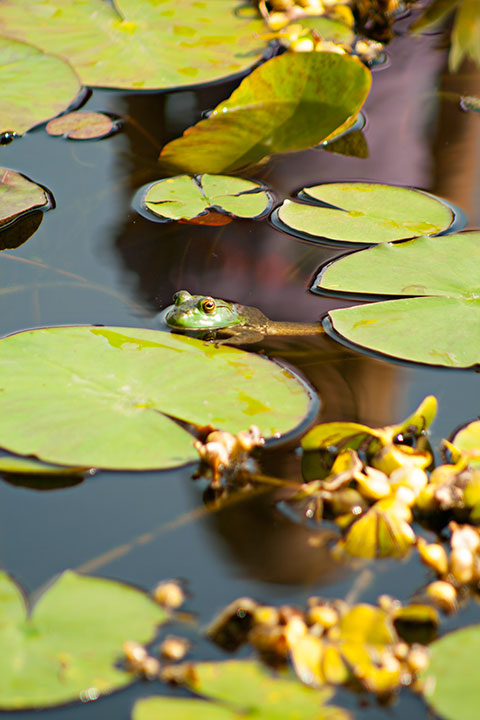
(128, 269)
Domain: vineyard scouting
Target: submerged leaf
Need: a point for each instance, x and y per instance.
(34, 86)
(139, 44)
(49, 658)
(82, 125)
(19, 195)
(364, 213)
(292, 102)
(185, 197)
(114, 397)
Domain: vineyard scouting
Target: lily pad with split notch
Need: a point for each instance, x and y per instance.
(436, 318)
(69, 645)
(185, 197)
(18, 196)
(119, 398)
(362, 213)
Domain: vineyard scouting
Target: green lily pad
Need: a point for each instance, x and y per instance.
(439, 326)
(68, 647)
(364, 213)
(82, 125)
(140, 44)
(468, 437)
(449, 682)
(34, 86)
(185, 197)
(292, 102)
(241, 689)
(30, 466)
(18, 196)
(327, 28)
(111, 397)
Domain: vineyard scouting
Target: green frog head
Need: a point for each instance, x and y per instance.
(201, 312)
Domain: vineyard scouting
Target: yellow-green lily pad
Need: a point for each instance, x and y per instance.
(292, 102)
(140, 44)
(113, 397)
(185, 197)
(363, 213)
(18, 195)
(436, 321)
(69, 645)
(34, 85)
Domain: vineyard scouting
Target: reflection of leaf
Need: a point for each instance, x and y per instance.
(81, 125)
(105, 397)
(19, 195)
(364, 213)
(68, 647)
(289, 103)
(449, 682)
(185, 197)
(33, 86)
(139, 44)
(439, 326)
(352, 144)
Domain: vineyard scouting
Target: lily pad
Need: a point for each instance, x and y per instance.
(363, 213)
(185, 197)
(439, 326)
(48, 658)
(18, 196)
(449, 682)
(34, 86)
(468, 437)
(82, 125)
(290, 103)
(241, 689)
(114, 397)
(140, 44)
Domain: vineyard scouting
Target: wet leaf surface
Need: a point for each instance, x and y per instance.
(364, 213)
(449, 682)
(18, 195)
(82, 125)
(48, 658)
(184, 197)
(292, 102)
(140, 44)
(110, 397)
(34, 86)
(440, 326)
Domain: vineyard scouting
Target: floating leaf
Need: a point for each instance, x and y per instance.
(439, 327)
(364, 213)
(82, 125)
(19, 195)
(111, 397)
(185, 197)
(139, 44)
(30, 466)
(247, 689)
(69, 646)
(290, 103)
(328, 28)
(34, 86)
(449, 682)
(468, 437)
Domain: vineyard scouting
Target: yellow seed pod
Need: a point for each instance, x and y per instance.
(426, 501)
(169, 594)
(282, 4)
(394, 456)
(412, 477)
(443, 594)
(401, 650)
(433, 555)
(373, 484)
(343, 13)
(150, 668)
(417, 659)
(464, 536)
(277, 20)
(266, 615)
(334, 667)
(461, 565)
(323, 615)
(302, 45)
(134, 653)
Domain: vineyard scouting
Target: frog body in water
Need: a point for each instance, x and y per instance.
(235, 324)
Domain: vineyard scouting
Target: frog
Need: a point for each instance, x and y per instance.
(228, 322)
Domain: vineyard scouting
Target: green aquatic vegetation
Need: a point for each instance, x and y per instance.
(113, 397)
(82, 125)
(363, 213)
(140, 44)
(290, 103)
(34, 86)
(48, 658)
(437, 317)
(18, 196)
(185, 197)
(237, 688)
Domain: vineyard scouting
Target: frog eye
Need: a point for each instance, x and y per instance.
(181, 296)
(208, 305)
